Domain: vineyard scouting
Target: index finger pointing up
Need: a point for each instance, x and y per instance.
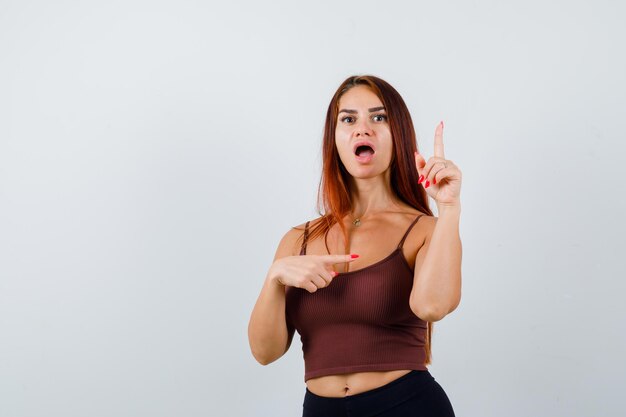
(439, 141)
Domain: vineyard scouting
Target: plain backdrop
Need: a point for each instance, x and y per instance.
(153, 153)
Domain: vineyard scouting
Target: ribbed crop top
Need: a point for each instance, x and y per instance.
(361, 321)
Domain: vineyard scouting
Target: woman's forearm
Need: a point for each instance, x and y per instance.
(267, 329)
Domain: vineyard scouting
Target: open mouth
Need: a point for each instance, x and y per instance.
(364, 154)
(364, 151)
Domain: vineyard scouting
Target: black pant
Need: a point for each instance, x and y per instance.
(415, 394)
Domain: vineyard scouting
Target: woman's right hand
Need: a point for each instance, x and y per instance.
(308, 272)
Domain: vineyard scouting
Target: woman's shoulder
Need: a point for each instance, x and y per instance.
(312, 222)
(417, 223)
(292, 239)
(427, 224)
(424, 217)
(409, 215)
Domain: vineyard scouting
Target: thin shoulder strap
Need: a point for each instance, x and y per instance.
(408, 230)
(306, 236)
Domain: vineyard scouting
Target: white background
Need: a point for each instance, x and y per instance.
(152, 155)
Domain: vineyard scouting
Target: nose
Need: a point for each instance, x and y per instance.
(362, 128)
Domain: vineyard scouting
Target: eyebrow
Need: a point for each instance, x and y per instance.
(354, 111)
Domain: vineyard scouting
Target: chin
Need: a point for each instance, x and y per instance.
(366, 173)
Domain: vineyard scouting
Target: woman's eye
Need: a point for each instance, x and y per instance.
(384, 117)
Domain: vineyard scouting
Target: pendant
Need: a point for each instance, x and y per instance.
(357, 222)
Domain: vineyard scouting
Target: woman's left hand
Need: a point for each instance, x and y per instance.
(440, 177)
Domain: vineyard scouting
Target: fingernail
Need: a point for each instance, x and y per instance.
(442, 124)
(335, 273)
(354, 255)
(421, 178)
(434, 181)
(427, 184)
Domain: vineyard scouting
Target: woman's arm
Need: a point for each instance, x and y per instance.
(437, 281)
(268, 334)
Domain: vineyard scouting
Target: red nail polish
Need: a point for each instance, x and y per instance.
(354, 255)
(421, 178)
(434, 181)
(427, 184)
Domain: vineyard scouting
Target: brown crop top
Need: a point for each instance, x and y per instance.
(360, 322)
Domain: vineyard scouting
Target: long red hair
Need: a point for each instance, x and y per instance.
(333, 198)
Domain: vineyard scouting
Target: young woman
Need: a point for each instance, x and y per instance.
(363, 283)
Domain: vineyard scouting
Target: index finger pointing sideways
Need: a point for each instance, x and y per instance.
(338, 259)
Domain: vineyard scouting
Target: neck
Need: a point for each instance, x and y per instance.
(372, 196)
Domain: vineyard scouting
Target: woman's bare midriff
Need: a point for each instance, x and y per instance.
(352, 384)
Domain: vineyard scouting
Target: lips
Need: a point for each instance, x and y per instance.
(364, 156)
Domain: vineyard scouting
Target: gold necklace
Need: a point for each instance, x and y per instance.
(357, 222)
